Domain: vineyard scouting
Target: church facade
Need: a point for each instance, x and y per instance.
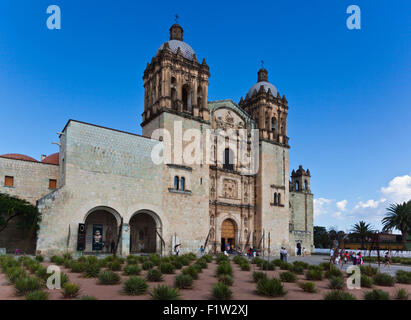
(203, 173)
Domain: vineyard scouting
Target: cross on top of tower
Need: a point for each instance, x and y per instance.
(262, 63)
(176, 18)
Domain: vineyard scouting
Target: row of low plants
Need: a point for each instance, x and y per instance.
(224, 273)
(406, 261)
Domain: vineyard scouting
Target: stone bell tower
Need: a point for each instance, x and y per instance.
(175, 82)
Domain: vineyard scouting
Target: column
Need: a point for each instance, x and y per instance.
(125, 240)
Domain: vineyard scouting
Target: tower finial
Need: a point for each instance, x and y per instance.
(176, 18)
(262, 63)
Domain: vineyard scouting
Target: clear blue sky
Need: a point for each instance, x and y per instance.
(348, 90)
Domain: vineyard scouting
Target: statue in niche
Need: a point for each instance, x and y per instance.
(230, 189)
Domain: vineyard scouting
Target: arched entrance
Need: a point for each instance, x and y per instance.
(298, 248)
(228, 234)
(101, 229)
(143, 232)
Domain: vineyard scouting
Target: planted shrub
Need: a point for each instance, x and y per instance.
(301, 264)
(37, 295)
(24, 285)
(154, 275)
(401, 294)
(202, 262)
(221, 291)
(135, 286)
(155, 259)
(287, 276)
(191, 271)
(224, 268)
(132, 269)
(277, 262)
(184, 281)
(64, 279)
(39, 258)
(185, 261)
(325, 265)
(208, 257)
(78, 267)
(167, 268)
(376, 294)
(307, 286)
(258, 275)
(256, 260)
(366, 281)
(83, 259)
(67, 256)
(42, 273)
(91, 271)
(108, 277)
(265, 265)
(197, 267)
(162, 292)
(70, 290)
(298, 269)
(34, 267)
(14, 273)
(339, 295)
(114, 265)
(336, 283)
(148, 265)
(102, 263)
(132, 260)
(383, 279)
(67, 263)
(286, 266)
(368, 270)
(92, 260)
(314, 274)
(226, 279)
(222, 258)
(270, 287)
(403, 276)
(245, 266)
(177, 264)
(333, 272)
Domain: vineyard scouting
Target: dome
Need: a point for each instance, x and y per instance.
(185, 48)
(17, 156)
(266, 86)
(52, 159)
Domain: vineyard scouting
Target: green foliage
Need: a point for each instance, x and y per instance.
(191, 256)
(83, 259)
(333, 272)
(191, 271)
(321, 237)
(297, 269)
(403, 276)
(258, 275)
(132, 259)
(257, 261)
(226, 279)
(23, 212)
(197, 267)
(245, 266)
(26, 284)
(67, 256)
(135, 286)
(91, 271)
(184, 281)
(39, 258)
(221, 291)
(42, 273)
(108, 277)
(148, 265)
(208, 257)
(366, 281)
(314, 274)
(384, 279)
(376, 294)
(307, 286)
(70, 290)
(339, 295)
(154, 275)
(270, 287)
(166, 268)
(265, 265)
(368, 271)
(92, 260)
(162, 292)
(302, 264)
(224, 268)
(185, 261)
(57, 260)
(13, 273)
(202, 262)
(222, 258)
(286, 266)
(155, 259)
(277, 262)
(325, 265)
(78, 267)
(114, 265)
(37, 295)
(132, 269)
(177, 264)
(34, 266)
(401, 294)
(67, 263)
(287, 276)
(336, 283)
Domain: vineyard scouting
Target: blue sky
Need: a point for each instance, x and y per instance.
(348, 90)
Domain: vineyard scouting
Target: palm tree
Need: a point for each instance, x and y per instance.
(362, 230)
(398, 217)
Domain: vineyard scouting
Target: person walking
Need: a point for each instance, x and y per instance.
(202, 251)
(285, 255)
(387, 260)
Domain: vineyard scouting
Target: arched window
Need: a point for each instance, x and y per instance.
(279, 199)
(186, 96)
(182, 183)
(228, 159)
(274, 124)
(275, 199)
(297, 185)
(176, 183)
(199, 97)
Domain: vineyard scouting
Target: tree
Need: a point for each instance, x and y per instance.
(23, 212)
(398, 217)
(321, 239)
(362, 230)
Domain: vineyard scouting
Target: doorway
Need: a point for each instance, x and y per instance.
(227, 234)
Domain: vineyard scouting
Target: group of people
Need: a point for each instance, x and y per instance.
(283, 254)
(343, 257)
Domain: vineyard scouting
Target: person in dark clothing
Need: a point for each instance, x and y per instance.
(113, 246)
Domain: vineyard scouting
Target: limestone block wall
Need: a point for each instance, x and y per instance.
(302, 220)
(273, 176)
(31, 182)
(103, 169)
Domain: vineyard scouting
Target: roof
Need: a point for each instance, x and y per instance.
(17, 156)
(52, 159)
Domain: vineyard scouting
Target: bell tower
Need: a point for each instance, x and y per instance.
(175, 82)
